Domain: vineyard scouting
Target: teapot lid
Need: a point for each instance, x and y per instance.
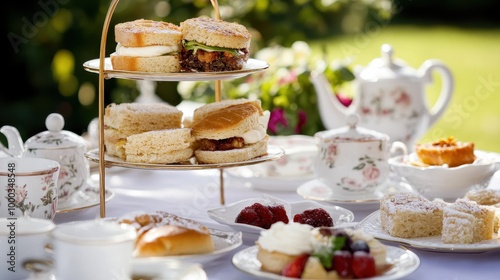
(55, 137)
(352, 132)
(387, 67)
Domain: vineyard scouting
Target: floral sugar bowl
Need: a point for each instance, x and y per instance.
(353, 161)
(57, 144)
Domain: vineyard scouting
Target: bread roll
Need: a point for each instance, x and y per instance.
(169, 240)
(227, 122)
(230, 131)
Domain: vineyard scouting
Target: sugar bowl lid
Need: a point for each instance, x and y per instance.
(352, 132)
(55, 137)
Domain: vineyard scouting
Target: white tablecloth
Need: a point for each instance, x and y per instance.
(191, 193)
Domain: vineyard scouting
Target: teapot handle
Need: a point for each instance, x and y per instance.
(446, 90)
(14, 141)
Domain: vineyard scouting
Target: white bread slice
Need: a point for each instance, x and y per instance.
(142, 117)
(200, 112)
(160, 146)
(235, 155)
(216, 32)
(227, 122)
(153, 64)
(125, 119)
(143, 32)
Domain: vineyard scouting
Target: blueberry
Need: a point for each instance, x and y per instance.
(360, 245)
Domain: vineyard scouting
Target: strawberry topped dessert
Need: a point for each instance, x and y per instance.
(320, 253)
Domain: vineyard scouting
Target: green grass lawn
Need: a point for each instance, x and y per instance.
(473, 56)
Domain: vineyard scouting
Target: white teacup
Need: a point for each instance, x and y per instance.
(96, 249)
(28, 187)
(353, 161)
(22, 239)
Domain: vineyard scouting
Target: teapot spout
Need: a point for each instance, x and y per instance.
(14, 141)
(333, 114)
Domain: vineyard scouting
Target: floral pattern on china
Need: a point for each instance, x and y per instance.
(47, 196)
(389, 97)
(63, 146)
(352, 160)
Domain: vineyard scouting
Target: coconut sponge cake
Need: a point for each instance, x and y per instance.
(126, 119)
(147, 46)
(230, 131)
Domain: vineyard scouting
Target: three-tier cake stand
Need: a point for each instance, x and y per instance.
(103, 67)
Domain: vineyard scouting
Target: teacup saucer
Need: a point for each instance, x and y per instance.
(88, 197)
(317, 190)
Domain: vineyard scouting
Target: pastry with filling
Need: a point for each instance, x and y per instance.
(165, 234)
(447, 151)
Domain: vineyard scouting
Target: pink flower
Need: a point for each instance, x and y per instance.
(371, 173)
(277, 119)
(302, 121)
(344, 99)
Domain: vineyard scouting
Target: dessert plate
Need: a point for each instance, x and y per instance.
(404, 263)
(226, 215)
(251, 66)
(224, 242)
(317, 190)
(273, 153)
(85, 198)
(371, 225)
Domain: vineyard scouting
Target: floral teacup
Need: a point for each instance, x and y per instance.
(28, 187)
(353, 161)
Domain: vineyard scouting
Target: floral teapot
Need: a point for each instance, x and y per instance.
(63, 146)
(389, 98)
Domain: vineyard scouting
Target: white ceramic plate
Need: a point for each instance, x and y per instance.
(371, 225)
(247, 175)
(316, 190)
(167, 270)
(158, 269)
(88, 197)
(273, 153)
(285, 174)
(404, 263)
(224, 242)
(251, 66)
(226, 215)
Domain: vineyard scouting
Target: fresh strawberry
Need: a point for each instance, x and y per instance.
(256, 215)
(363, 265)
(295, 268)
(279, 213)
(342, 263)
(317, 217)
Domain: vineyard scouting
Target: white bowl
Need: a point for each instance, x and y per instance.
(448, 183)
(226, 215)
